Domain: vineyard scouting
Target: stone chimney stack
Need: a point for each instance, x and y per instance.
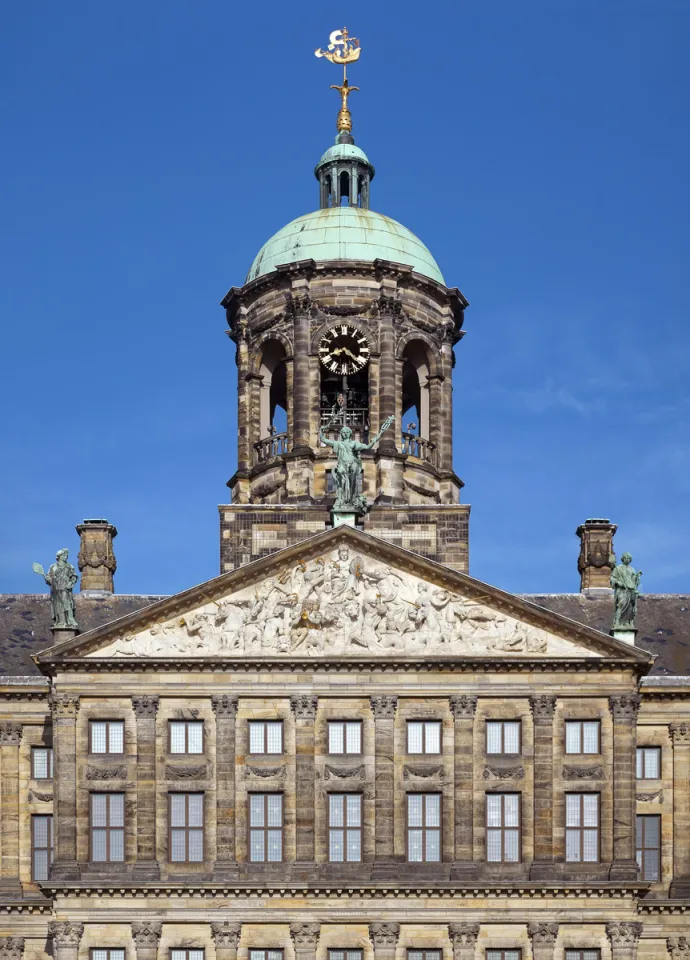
(96, 559)
(596, 548)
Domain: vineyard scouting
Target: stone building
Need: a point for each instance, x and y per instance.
(344, 747)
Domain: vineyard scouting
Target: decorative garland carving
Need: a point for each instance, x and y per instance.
(198, 771)
(344, 773)
(583, 773)
(418, 770)
(304, 706)
(504, 773)
(384, 934)
(463, 935)
(625, 706)
(226, 934)
(10, 734)
(145, 707)
(265, 772)
(542, 934)
(224, 706)
(623, 934)
(305, 935)
(650, 797)
(543, 707)
(64, 933)
(384, 707)
(463, 707)
(107, 773)
(40, 797)
(146, 934)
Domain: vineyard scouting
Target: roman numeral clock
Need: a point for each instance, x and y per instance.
(344, 349)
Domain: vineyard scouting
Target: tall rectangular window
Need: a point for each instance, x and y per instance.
(107, 736)
(185, 736)
(503, 954)
(107, 827)
(178, 953)
(648, 846)
(503, 827)
(648, 763)
(337, 954)
(424, 955)
(42, 763)
(265, 827)
(582, 736)
(41, 846)
(265, 736)
(186, 819)
(424, 827)
(503, 736)
(345, 736)
(344, 827)
(107, 953)
(582, 827)
(582, 954)
(265, 955)
(424, 736)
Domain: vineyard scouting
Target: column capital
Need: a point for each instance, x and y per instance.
(625, 706)
(305, 934)
(304, 706)
(226, 934)
(543, 707)
(147, 933)
(678, 948)
(623, 934)
(145, 707)
(383, 708)
(462, 706)
(224, 706)
(10, 735)
(11, 948)
(542, 934)
(384, 934)
(63, 705)
(463, 934)
(65, 934)
(680, 734)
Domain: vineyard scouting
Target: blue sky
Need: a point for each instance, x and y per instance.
(539, 149)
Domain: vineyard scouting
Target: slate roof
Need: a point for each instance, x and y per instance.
(663, 622)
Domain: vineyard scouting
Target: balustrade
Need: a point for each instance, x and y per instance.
(274, 446)
(418, 447)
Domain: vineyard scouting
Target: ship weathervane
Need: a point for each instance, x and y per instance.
(342, 49)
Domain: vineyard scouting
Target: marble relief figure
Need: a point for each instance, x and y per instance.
(340, 604)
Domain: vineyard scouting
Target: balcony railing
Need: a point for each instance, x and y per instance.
(418, 447)
(269, 447)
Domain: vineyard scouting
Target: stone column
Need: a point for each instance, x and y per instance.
(678, 948)
(543, 708)
(65, 937)
(305, 938)
(304, 710)
(145, 710)
(300, 384)
(226, 937)
(680, 737)
(623, 938)
(64, 709)
(10, 738)
(384, 937)
(543, 938)
(96, 560)
(384, 708)
(387, 384)
(624, 710)
(463, 709)
(146, 936)
(463, 937)
(225, 709)
(11, 948)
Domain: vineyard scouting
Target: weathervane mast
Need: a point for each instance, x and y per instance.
(342, 48)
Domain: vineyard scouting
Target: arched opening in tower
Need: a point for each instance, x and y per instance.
(273, 390)
(347, 397)
(415, 406)
(344, 189)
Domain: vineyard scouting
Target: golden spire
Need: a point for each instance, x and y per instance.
(342, 48)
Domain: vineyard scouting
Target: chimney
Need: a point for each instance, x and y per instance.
(96, 559)
(596, 548)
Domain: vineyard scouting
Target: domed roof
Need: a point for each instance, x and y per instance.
(344, 233)
(343, 151)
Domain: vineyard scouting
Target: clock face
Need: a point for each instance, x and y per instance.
(344, 349)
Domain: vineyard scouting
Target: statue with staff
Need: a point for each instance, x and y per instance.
(61, 578)
(348, 469)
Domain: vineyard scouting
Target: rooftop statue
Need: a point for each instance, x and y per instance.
(348, 469)
(61, 578)
(625, 581)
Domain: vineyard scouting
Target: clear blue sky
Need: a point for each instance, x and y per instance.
(540, 149)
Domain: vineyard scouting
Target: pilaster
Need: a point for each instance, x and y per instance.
(10, 739)
(543, 938)
(64, 709)
(384, 708)
(384, 937)
(304, 709)
(680, 738)
(225, 709)
(300, 384)
(624, 710)
(145, 710)
(305, 939)
(226, 937)
(66, 937)
(623, 938)
(463, 937)
(146, 937)
(463, 709)
(543, 710)
(387, 384)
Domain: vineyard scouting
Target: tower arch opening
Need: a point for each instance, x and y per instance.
(273, 390)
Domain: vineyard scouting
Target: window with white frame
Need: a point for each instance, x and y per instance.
(344, 827)
(265, 955)
(503, 827)
(582, 827)
(179, 953)
(266, 736)
(107, 736)
(42, 763)
(582, 736)
(107, 827)
(583, 954)
(107, 953)
(424, 827)
(186, 736)
(186, 820)
(648, 763)
(345, 736)
(424, 736)
(503, 954)
(503, 737)
(265, 827)
(41, 846)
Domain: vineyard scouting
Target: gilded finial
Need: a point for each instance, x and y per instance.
(344, 49)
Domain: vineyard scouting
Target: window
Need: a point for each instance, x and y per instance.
(344, 827)
(107, 827)
(424, 955)
(106, 953)
(582, 827)
(107, 736)
(265, 736)
(41, 846)
(582, 954)
(503, 954)
(503, 736)
(424, 827)
(42, 763)
(186, 827)
(265, 827)
(345, 736)
(344, 955)
(503, 827)
(186, 736)
(648, 763)
(423, 736)
(265, 955)
(648, 847)
(179, 954)
(582, 736)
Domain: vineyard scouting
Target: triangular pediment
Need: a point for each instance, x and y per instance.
(345, 595)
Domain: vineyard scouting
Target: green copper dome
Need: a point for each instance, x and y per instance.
(344, 233)
(343, 151)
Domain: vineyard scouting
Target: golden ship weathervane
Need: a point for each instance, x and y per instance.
(342, 49)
